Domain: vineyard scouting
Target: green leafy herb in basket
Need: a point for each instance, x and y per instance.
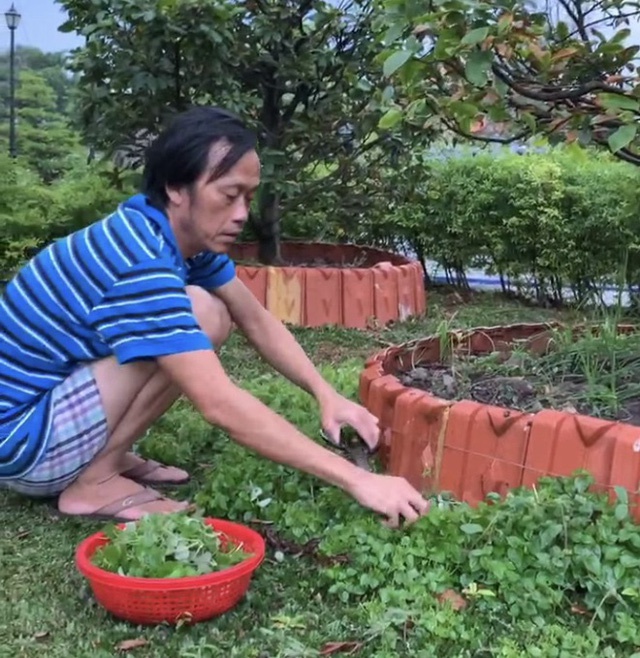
(166, 546)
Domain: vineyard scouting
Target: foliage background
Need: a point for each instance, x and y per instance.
(324, 84)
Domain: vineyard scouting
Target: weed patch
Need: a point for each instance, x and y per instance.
(555, 568)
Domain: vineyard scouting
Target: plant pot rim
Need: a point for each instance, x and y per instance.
(382, 356)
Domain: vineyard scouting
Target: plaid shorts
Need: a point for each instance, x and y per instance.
(77, 433)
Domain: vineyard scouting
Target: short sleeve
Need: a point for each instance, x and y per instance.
(147, 313)
(209, 270)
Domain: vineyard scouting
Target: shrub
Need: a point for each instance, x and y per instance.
(544, 221)
(549, 220)
(32, 213)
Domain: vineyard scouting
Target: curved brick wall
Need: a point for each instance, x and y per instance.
(384, 287)
(471, 449)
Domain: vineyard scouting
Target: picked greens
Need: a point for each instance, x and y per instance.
(166, 546)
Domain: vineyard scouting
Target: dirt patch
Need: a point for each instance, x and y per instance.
(309, 549)
(603, 383)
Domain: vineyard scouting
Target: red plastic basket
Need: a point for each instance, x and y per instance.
(170, 600)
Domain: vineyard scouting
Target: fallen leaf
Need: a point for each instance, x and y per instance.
(579, 610)
(373, 324)
(331, 648)
(128, 645)
(41, 635)
(23, 534)
(457, 602)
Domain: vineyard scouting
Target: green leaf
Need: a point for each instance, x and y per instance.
(471, 528)
(393, 33)
(388, 93)
(395, 61)
(550, 533)
(477, 67)
(622, 137)
(500, 86)
(592, 563)
(390, 118)
(621, 511)
(475, 36)
(622, 494)
(615, 101)
(529, 120)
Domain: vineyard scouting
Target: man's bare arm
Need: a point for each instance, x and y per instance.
(202, 378)
(273, 341)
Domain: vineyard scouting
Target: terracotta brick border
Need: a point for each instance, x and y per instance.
(471, 449)
(385, 287)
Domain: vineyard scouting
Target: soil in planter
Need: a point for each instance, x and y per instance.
(595, 376)
(315, 263)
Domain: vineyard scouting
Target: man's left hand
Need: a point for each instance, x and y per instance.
(337, 411)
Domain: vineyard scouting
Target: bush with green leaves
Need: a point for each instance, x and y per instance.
(25, 220)
(33, 213)
(544, 222)
(565, 218)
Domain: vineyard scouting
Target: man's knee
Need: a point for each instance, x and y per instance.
(211, 313)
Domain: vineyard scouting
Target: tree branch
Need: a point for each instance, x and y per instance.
(559, 94)
(454, 127)
(623, 154)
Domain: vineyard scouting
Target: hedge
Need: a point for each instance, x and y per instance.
(33, 214)
(566, 219)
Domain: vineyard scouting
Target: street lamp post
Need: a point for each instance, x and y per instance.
(13, 20)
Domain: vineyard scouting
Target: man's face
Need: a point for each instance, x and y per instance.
(211, 214)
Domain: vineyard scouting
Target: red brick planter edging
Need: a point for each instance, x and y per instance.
(471, 449)
(385, 287)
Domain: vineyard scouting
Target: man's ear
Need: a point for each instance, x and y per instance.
(176, 195)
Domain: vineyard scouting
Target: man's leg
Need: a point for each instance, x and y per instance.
(134, 396)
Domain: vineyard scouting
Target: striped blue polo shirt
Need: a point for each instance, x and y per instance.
(116, 288)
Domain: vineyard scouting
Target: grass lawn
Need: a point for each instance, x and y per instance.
(296, 606)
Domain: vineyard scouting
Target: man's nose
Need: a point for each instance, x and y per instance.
(241, 211)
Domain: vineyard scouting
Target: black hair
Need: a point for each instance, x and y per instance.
(180, 154)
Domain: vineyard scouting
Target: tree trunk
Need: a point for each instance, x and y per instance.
(267, 227)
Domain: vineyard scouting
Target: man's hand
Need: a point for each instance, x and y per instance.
(337, 411)
(393, 497)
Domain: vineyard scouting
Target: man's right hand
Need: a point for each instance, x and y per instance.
(390, 496)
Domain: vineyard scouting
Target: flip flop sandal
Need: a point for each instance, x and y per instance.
(141, 473)
(112, 511)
